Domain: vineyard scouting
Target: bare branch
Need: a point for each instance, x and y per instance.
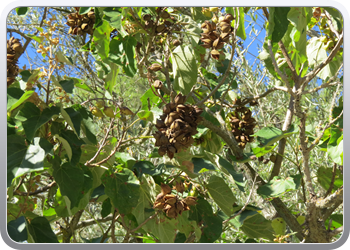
(282, 75)
(336, 231)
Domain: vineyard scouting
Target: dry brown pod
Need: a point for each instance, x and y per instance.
(155, 67)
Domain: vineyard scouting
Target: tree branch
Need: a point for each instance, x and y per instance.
(306, 79)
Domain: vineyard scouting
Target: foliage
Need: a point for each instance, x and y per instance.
(102, 125)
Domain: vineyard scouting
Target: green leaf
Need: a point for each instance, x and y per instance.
(221, 194)
(67, 85)
(239, 219)
(222, 66)
(180, 238)
(212, 142)
(146, 167)
(88, 125)
(70, 179)
(335, 145)
(114, 17)
(63, 59)
(125, 159)
(17, 230)
(197, 14)
(298, 17)
(123, 188)
(279, 226)
(16, 97)
(21, 160)
(149, 99)
(35, 119)
(111, 78)
(73, 119)
(261, 151)
(101, 39)
(145, 115)
(337, 221)
(200, 164)
(241, 27)
(122, 52)
(40, 230)
(184, 68)
(324, 178)
(21, 11)
(245, 158)
(278, 23)
(106, 208)
(74, 143)
(226, 167)
(278, 186)
(258, 227)
(84, 10)
(267, 136)
(38, 39)
(80, 84)
(143, 208)
(66, 146)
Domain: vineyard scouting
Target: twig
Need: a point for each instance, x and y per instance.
(246, 203)
(306, 79)
(102, 143)
(144, 222)
(295, 76)
(282, 75)
(111, 154)
(114, 240)
(316, 141)
(336, 231)
(38, 191)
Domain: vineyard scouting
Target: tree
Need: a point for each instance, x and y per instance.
(152, 124)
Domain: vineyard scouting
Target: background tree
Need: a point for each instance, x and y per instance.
(220, 124)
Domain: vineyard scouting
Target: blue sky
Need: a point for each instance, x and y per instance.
(250, 56)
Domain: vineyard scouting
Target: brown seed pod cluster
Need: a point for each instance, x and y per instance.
(14, 50)
(81, 24)
(165, 23)
(176, 126)
(242, 124)
(172, 204)
(215, 36)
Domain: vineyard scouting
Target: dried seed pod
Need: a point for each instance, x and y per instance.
(166, 189)
(164, 14)
(190, 200)
(265, 161)
(253, 157)
(147, 17)
(171, 201)
(160, 197)
(273, 158)
(180, 187)
(171, 213)
(159, 205)
(155, 67)
(179, 99)
(229, 17)
(160, 28)
(176, 42)
(215, 54)
(162, 150)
